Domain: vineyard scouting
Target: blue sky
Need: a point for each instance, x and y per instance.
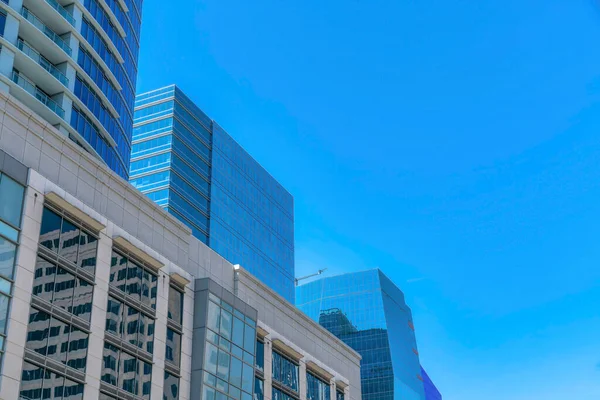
(455, 144)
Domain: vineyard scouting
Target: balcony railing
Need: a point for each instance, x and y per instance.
(62, 11)
(37, 93)
(42, 61)
(29, 16)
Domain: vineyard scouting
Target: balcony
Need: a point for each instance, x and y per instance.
(42, 61)
(30, 88)
(35, 21)
(62, 11)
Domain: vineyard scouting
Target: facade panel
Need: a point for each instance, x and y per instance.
(190, 166)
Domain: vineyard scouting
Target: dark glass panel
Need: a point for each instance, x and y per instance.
(43, 281)
(64, 286)
(69, 241)
(7, 258)
(128, 373)
(38, 331)
(82, 299)
(88, 248)
(78, 345)
(114, 316)
(58, 340)
(134, 280)
(171, 387)
(118, 271)
(175, 305)
(110, 364)
(53, 386)
(50, 233)
(32, 379)
(73, 390)
(131, 325)
(149, 282)
(173, 352)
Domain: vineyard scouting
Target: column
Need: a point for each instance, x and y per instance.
(160, 336)
(332, 392)
(186, 343)
(302, 382)
(19, 305)
(268, 373)
(98, 318)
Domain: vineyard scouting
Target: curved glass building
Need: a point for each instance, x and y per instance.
(75, 64)
(368, 312)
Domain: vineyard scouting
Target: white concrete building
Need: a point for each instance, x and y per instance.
(103, 295)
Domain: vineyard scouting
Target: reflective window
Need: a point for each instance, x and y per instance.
(173, 351)
(260, 355)
(39, 383)
(69, 241)
(175, 305)
(8, 251)
(259, 389)
(57, 340)
(339, 395)
(317, 389)
(133, 279)
(130, 324)
(230, 368)
(171, 387)
(125, 371)
(285, 371)
(58, 286)
(279, 395)
(11, 200)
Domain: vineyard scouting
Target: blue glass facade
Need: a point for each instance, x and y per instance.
(91, 84)
(191, 167)
(94, 57)
(368, 312)
(431, 392)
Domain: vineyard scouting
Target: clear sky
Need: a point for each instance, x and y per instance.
(455, 144)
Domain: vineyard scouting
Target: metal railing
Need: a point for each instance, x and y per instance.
(62, 11)
(29, 16)
(37, 93)
(42, 61)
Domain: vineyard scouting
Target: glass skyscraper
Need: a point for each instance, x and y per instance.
(431, 392)
(368, 312)
(191, 167)
(75, 65)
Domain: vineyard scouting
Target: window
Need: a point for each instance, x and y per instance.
(58, 286)
(130, 324)
(279, 395)
(55, 339)
(133, 279)
(11, 198)
(339, 395)
(285, 371)
(317, 389)
(173, 352)
(228, 367)
(126, 371)
(8, 251)
(69, 241)
(259, 389)
(171, 387)
(175, 305)
(260, 356)
(40, 383)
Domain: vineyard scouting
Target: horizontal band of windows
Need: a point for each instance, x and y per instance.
(187, 221)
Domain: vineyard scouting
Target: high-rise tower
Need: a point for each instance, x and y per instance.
(75, 64)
